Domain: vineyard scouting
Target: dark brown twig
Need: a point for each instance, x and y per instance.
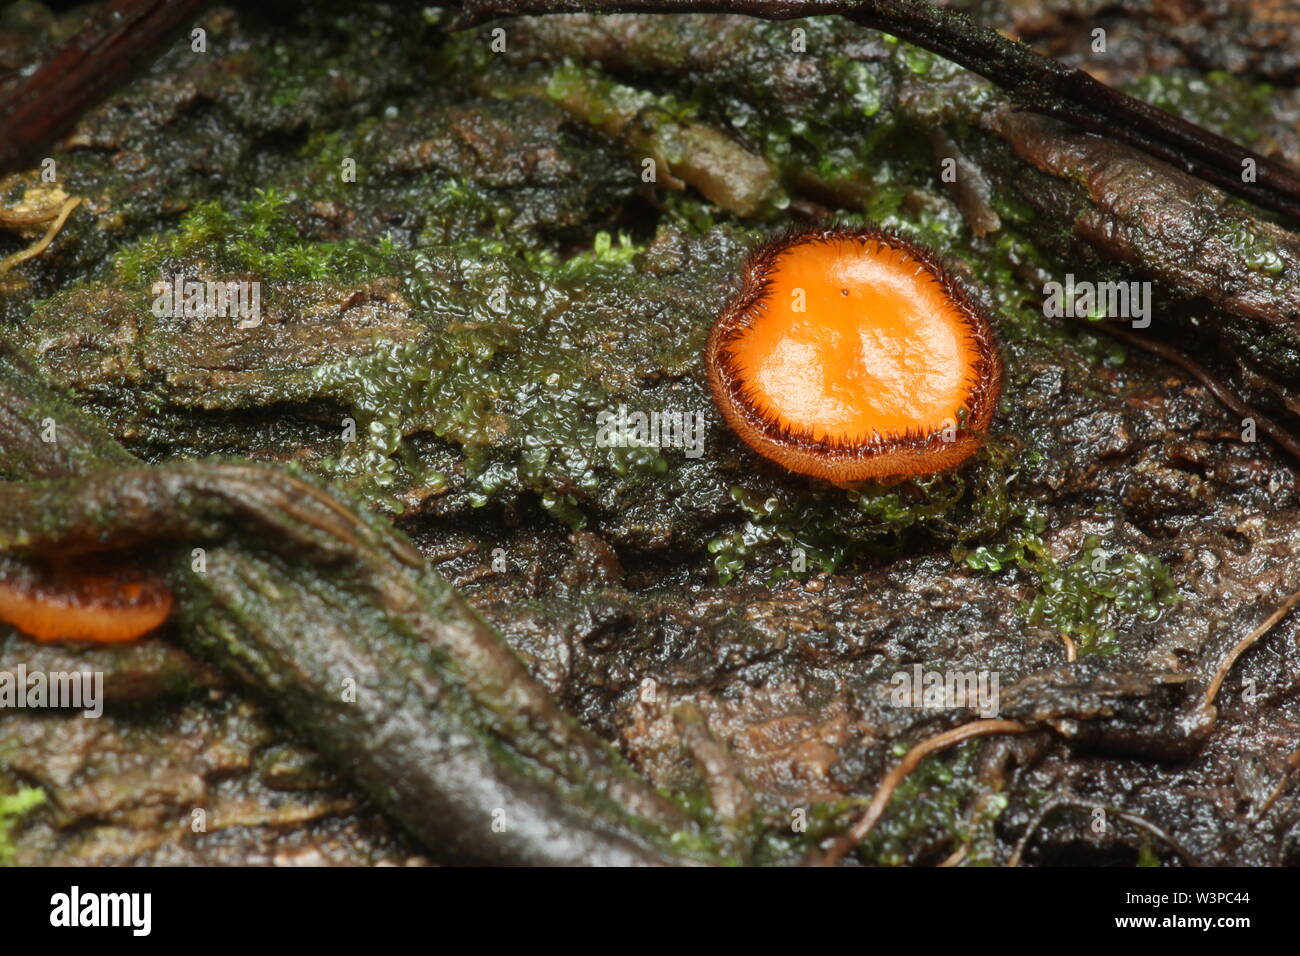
(123, 38)
(129, 32)
(1035, 82)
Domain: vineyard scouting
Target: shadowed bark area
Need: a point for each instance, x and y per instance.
(497, 275)
(365, 651)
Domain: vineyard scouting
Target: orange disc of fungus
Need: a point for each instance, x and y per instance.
(82, 601)
(851, 354)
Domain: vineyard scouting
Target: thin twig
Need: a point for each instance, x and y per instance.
(36, 248)
(956, 856)
(1221, 392)
(1292, 762)
(122, 38)
(855, 834)
(1033, 81)
(12, 219)
(1212, 691)
(1057, 803)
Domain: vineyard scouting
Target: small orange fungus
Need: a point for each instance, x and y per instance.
(81, 601)
(852, 354)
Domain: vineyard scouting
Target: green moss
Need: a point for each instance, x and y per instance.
(769, 527)
(1147, 856)
(689, 213)
(519, 429)
(322, 156)
(604, 252)
(1095, 598)
(1100, 595)
(13, 807)
(878, 515)
(343, 51)
(1023, 546)
(608, 101)
(824, 527)
(941, 798)
(257, 237)
(862, 84)
(1256, 251)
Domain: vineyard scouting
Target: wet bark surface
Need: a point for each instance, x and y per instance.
(499, 273)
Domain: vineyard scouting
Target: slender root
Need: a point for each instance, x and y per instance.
(956, 856)
(1133, 819)
(1224, 395)
(1292, 763)
(855, 834)
(1242, 646)
(37, 248)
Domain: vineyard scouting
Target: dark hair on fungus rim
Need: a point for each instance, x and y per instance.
(911, 451)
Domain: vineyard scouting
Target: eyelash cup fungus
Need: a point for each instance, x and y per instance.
(82, 603)
(852, 354)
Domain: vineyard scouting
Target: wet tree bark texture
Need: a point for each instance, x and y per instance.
(425, 614)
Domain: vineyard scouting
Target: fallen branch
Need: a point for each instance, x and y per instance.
(130, 32)
(341, 626)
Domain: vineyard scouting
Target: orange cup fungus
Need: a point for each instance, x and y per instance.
(81, 601)
(852, 354)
